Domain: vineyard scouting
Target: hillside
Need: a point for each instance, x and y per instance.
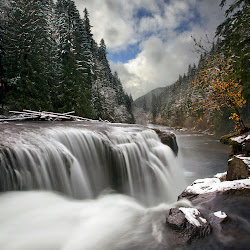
(146, 100)
(50, 61)
(181, 105)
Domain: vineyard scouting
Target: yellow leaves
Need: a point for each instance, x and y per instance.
(216, 87)
(234, 116)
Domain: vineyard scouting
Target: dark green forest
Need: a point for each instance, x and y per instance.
(50, 61)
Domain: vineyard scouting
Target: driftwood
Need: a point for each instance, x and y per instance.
(26, 115)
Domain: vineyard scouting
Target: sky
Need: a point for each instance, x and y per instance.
(149, 42)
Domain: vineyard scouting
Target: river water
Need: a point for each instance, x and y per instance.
(200, 155)
(59, 158)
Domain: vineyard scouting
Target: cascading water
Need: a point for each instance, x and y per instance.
(88, 162)
(82, 163)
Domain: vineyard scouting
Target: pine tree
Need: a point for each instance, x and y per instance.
(26, 58)
(75, 88)
(235, 40)
(154, 107)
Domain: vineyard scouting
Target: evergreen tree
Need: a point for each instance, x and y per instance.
(154, 107)
(75, 89)
(49, 60)
(235, 40)
(26, 56)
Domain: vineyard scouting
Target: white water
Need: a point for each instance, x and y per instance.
(82, 163)
(43, 220)
(86, 164)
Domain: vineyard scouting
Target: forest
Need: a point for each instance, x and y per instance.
(213, 95)
(50, 61)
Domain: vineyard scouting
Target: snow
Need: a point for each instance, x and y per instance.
(209, 185)
(220, 214)
(203, 220)
(245, 159)
(241, 138)
(220, 175)
(191, 215)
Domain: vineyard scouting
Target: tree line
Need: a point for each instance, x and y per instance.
(49, 60)
(215, 94)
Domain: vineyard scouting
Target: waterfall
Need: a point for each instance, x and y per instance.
(83, 161)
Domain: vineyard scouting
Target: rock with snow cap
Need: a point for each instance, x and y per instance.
(203, 190)
(216, 219)
(240, 143)
(186, 224)
(225, 206)
(238, 168)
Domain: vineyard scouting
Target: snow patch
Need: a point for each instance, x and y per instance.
(220, 214)
(191, 215)
(220, 175)
(208, 185)
(241, 138)
(245, 159)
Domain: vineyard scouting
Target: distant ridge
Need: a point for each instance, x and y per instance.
(139, 102)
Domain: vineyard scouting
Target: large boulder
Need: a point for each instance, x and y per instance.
(238, 168)
(168, 139)
(239, 163)
(203, 190)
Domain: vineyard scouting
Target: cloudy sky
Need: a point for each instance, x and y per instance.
(149, 41)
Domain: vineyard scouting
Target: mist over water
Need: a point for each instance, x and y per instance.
(45, 220)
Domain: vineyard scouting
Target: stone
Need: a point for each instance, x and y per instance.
(237, 169)
(168, 139)
(185, 225)
(216, 219)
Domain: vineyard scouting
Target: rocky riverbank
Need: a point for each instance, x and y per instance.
(220, 216)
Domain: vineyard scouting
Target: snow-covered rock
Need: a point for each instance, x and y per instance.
(185, 225)
(210, 185)
(221, 205)
(216, 219)
(220, 214)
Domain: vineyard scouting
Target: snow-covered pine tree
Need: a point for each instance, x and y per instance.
(74, 88)
(26, 56)
(109, 100)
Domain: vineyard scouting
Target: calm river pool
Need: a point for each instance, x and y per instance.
(200, 155)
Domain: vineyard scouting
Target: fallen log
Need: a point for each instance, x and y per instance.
(42, 116)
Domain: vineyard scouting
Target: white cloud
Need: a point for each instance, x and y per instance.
(159, 64)
(166, 50)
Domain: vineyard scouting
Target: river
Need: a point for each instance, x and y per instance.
(200, 155)
(118, 183)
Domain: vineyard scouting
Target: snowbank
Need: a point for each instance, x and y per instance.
(209, 185)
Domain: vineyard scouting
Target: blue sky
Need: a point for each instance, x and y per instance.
(149, 41)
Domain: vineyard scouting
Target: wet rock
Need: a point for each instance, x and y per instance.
(168, 139)
(216, 219)
(240, 143)
(225, 205)
(237, 169)
(208, 188)
(185, 225)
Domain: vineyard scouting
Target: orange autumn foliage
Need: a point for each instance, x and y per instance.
(215, 89)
